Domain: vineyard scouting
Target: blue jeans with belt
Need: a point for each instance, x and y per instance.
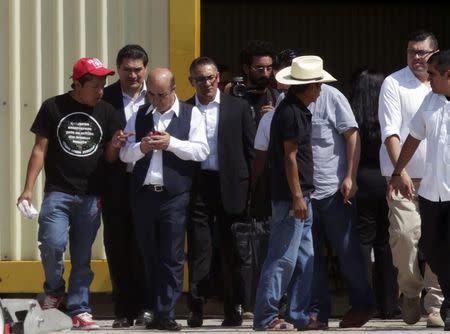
(63, 218)
(287, 269)
(334, 222)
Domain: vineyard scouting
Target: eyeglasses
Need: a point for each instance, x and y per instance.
(419, 53)
(267, 68)
(202, 80)
(160, 95)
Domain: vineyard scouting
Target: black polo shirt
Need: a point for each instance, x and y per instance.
(291, 122)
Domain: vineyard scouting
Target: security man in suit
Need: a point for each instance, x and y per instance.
(220, 189)
(131, 297)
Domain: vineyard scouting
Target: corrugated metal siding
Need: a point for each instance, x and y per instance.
(347, 35)
(41, 39)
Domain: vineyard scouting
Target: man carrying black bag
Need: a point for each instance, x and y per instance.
(220, 189)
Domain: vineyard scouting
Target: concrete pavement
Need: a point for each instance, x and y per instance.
(213, 326)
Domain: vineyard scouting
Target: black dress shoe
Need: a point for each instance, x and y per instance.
(195, 319)
(355, 318)
(445, 315)
(169, 325)
(122, 323)
(145, 317)
(233, 319)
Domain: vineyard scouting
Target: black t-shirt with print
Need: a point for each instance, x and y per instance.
(77, 135)
(291, 121)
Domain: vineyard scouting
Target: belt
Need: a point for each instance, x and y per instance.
(154, 187)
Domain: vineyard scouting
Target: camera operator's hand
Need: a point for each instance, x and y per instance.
(266, 108)
(227, 88)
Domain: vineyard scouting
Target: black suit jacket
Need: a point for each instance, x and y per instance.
(236, 134)
(116, 180)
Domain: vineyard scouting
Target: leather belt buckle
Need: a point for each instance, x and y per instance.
(158, 188)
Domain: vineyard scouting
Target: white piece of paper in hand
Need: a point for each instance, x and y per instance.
(27, 210)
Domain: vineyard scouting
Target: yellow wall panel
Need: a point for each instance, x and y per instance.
(41, 39)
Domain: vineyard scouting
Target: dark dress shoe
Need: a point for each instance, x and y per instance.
(145, 317)
(355, 318)
(390, 315)
(234, 318)
(445, 315)
(169, 325)
(122, 323)
(195, 319)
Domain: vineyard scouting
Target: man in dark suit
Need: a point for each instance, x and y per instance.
(131, 298)
(220, 189)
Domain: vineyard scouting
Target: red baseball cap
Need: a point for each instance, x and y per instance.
(92, 66)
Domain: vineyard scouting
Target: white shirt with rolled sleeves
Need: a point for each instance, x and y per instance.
(195, 149)
(400, 97)
(432, 122)
(331, 117)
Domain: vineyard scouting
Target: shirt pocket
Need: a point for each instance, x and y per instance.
(321, 131)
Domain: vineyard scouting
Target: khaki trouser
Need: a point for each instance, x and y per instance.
(404, 231)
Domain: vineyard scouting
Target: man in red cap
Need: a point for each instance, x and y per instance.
(73, 131)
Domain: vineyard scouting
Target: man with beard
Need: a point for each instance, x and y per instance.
(257, 65)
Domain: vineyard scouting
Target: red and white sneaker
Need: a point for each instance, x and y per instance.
(84, 321)
(51, 302)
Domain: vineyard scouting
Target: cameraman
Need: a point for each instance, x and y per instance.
(257, 65)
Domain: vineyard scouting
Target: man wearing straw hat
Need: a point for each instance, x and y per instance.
(289, 263)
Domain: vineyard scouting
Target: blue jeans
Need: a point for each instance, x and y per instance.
(333, 221)
(288, 267)
(64, 218)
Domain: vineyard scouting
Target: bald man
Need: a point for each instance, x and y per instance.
(169, 143)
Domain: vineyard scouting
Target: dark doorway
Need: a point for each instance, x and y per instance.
(348, 36)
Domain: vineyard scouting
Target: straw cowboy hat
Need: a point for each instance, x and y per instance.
(304, 70)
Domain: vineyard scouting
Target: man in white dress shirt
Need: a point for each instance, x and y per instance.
(400, 97)
(220, 191)
(432, 122)
(170, 140)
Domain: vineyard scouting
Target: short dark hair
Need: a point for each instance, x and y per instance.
(133, 51)
(284, 58)
(201, 61)
(256, 48)
(82, 80)
(421, 35)
(441, 60)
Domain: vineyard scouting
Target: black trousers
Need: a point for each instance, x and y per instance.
(435, 243)
(130, 294)
(161, 230)
(373, 229)
(207, 208)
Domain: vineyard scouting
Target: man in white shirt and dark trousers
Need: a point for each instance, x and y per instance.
(170, 139)
(400, 97)
(432, 122)
(131, 296)
(220, 190)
